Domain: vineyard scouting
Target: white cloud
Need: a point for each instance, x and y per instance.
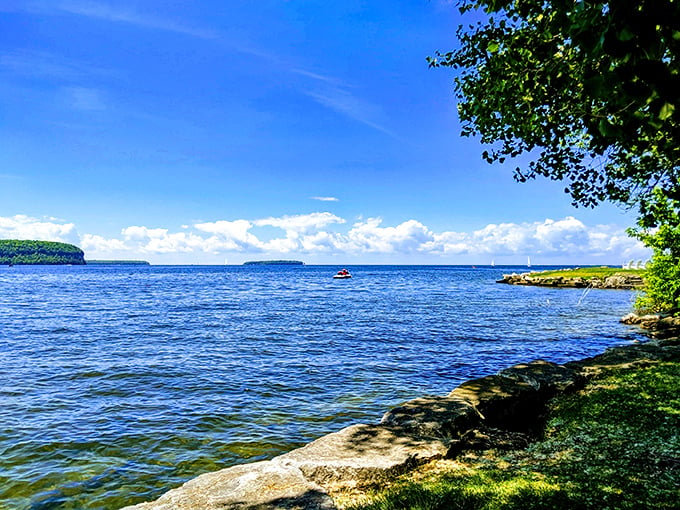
(230, 235)
(563, 241)
(160, 240)
(370, 236)
(325, 199)
(93, 244)
(25, 227)
(301, 222)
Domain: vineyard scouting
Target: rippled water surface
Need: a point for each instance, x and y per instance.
(118, 383)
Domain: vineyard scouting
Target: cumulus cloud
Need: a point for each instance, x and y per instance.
(301, 222)
(370, 236)
(567, 239)
(26, 227)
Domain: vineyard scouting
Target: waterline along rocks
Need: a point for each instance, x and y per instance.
(616, 281)
(498, 411)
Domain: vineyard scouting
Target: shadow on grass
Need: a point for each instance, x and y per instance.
(614, 445)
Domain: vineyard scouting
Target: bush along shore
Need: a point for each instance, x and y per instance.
(590, 434)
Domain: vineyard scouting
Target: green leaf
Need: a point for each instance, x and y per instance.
(625, 35)
(492, 47)
(666, 111)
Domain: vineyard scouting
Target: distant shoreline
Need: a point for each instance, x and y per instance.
(274, 263)
(117, 263)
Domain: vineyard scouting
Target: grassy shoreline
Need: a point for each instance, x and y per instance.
(587, 273)
(615, 444)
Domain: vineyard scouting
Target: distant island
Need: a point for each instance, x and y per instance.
(118, 263)
(20, 252)
(274, 263)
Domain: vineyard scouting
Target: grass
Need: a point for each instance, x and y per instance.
(587, 273)
(614, 445)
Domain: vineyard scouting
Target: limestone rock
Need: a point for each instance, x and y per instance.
(617, 281)
(442, 417)
(656, 325)
(547, 378)
(363, 455)
(503, 402)
(628, 356)
(266, 485)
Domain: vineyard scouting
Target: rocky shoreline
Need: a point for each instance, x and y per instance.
(505, 410)
(616, 281)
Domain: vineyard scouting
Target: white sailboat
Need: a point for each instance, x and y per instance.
(528, 261)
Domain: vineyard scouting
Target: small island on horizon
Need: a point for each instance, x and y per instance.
(118, 263)
(274, 263)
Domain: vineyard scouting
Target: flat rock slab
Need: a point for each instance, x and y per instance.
(264, 485)
(363, 455)
(356, 456)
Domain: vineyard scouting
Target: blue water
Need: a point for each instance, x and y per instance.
(118, 383)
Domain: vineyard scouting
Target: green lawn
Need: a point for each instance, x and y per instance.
(614, 445)
(587, 273)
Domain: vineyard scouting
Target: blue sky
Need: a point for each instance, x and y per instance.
(204, 132)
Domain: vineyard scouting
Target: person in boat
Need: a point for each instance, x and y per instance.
(343, 272)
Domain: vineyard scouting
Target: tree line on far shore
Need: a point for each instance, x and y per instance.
(22, 252)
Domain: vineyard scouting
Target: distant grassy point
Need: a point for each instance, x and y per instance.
(22, 252)
(118, 263)
(587, 273)
(274, 263)
(603, 277)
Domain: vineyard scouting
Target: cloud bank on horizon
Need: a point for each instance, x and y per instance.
(316, 236)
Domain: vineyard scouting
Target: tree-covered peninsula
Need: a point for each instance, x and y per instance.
(20, 252)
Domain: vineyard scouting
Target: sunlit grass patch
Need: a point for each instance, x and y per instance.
(587, 273)
(478, 490)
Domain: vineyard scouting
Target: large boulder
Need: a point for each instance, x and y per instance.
(441, 417)
(503, 402)
(549, 379)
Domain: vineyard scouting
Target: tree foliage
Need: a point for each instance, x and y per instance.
(663, 272)
(18, 252)
(588, 92)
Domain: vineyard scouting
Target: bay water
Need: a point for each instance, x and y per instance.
(118, 383)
